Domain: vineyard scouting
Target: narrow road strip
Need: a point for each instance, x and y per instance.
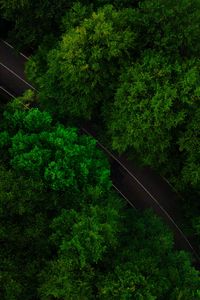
(26, 57)
(124, 196)
(7, 92)
(9, 45)
(17, 76)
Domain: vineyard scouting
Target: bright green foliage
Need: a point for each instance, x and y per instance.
(32, 121)
(55, 157)
(54, 153)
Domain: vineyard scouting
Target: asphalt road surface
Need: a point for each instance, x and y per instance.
(12, 64)
(141, 187)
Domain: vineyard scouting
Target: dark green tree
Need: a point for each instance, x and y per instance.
(170, 27)
(154, 105)
(142, 266)
(84, 239)
(190, 145)
(24, 228)
(35, 191)
(32, 21)
(146, 266)
(136, 72)
(64, 233)
(82, 72)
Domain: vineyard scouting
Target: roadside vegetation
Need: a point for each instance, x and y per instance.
(65, 234)
(132, 69)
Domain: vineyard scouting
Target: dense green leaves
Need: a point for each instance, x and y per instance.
(84, 240)
(55, 153)
(133, 66)
(83, 71)
(170, 27)
(64, 233)
(23, 234)
(152, 106)
(54, 171)
(141, 273)
(136, 72)
(190, 144)
(32, 20)
(92, 232)
(143, 266)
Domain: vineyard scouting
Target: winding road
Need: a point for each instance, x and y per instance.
(141, 187)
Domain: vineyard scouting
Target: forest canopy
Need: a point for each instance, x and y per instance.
(132, 70)
(136, 72)
(62, 221)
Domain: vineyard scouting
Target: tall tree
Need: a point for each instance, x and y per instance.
(137, 71)
(84, 239)
(82, 72)
(24, 230)
(33, 20)
(64, 232)
(62, 158)
(142, 266)
(190, 145)
(32, 196)
(154, 104)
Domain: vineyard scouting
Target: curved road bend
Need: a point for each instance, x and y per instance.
(146, 189)
(141, 187)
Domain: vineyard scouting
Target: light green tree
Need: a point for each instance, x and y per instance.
(82, 72)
